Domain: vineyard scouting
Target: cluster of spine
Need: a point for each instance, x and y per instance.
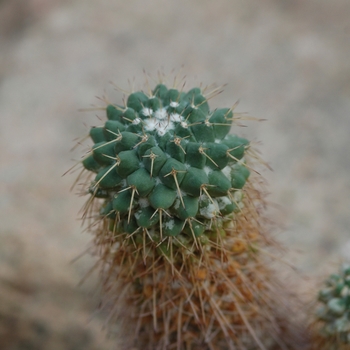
(179, 227)
(333, 316)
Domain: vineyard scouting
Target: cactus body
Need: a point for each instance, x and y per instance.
(333, 315)
(151, 142)
(180, 224)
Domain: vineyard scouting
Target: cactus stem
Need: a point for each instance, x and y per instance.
(191, 272)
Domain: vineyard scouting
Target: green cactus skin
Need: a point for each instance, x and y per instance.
(333, 315)
(166, 139)
(177, 224)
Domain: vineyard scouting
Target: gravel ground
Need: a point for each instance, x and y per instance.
(286, 60)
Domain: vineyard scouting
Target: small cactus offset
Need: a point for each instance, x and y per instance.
(176, 212)
(333, 316)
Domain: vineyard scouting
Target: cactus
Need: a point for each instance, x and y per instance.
(332, 326)
(176, 212)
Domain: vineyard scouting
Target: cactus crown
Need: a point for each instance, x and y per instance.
(334, 314)
(166, 165)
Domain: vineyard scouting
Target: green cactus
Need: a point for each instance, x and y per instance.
(162, 151)
(333, 314)
(179, 227)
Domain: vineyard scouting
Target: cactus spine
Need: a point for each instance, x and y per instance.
(176, 216)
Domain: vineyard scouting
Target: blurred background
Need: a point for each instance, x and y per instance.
(287, 61)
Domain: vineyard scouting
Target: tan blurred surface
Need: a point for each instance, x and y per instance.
(287, 61)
